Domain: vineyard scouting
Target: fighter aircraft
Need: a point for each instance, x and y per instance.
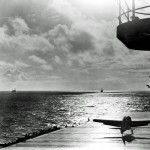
(125, 125)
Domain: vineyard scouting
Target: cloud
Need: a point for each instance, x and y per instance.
(17, 64)
(44, 78)
(47, 67)
(20, 64)
(105, 10)
(37, 14)
(17, 26)
(66, 9)
(4, 64)
(37, 59)
(57, 59)
(80, 42)
(53, 38)
(75, 41)
(14, 75)
(108, 49)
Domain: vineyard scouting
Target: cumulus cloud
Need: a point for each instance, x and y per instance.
(56, 37)
(18, 25)
(69, 39)
(36, 13)
(81, 41)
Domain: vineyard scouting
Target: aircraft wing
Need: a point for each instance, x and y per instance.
(117, 123)
(140, 123)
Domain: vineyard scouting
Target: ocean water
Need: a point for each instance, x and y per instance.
(26, 112)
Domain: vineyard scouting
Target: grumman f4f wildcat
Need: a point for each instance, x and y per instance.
(126, 127)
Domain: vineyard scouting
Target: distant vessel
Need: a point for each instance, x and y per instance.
(102, 90)
(13, 91)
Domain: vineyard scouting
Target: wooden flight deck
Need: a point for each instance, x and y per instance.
(91, 135)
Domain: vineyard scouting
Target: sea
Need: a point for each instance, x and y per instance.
(26, 112)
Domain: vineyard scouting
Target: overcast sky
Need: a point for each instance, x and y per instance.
(67, 45)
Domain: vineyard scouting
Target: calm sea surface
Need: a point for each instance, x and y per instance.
(26, 112)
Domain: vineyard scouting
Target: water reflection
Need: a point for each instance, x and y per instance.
(28, 111)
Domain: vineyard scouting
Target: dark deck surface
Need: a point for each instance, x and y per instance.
(91, 135)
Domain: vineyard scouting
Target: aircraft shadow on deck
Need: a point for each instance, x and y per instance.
(128, 138)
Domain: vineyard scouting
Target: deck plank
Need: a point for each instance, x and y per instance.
(91, 135)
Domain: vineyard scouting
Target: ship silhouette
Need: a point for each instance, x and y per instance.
(13, 91)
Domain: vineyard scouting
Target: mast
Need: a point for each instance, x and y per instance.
(133, 9)
(119, 12)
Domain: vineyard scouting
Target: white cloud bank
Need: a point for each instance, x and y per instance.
(65, 39)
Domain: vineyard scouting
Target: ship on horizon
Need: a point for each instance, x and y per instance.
(13, 91)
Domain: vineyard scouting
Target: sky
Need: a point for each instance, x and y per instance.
(67, 45)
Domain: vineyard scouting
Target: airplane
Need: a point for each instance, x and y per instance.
(148, 86)
(125, 125)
